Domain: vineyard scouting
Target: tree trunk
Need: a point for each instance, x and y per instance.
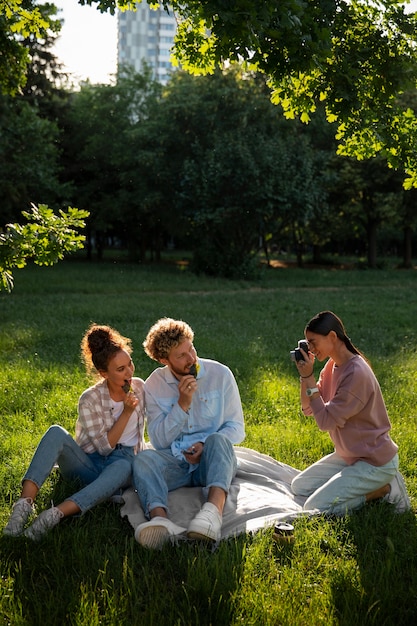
(407, 258)
(372, 247)
(316, 254)
(264, 246)
(89, 245)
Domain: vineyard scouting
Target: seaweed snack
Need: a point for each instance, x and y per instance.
(127, 387)
(194, 369)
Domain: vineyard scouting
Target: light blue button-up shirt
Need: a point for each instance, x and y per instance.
(215, 407)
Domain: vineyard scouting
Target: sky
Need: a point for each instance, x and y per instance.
(87, 45)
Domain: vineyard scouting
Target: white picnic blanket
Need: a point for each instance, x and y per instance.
(260, 495)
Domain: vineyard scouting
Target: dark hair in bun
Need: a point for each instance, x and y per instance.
(100, 344)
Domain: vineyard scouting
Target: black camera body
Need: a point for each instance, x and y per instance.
(296, 354)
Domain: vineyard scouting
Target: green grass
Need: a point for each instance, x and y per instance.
(359, 570)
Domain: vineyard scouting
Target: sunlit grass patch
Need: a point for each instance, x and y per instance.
(358, 570)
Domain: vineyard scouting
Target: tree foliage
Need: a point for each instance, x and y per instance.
(105, 155)
(357, 57)
(44, 239)
(45, 79)
(208, 162)
(19, 21)
(28, 158)
(248, 174)
(29, 146)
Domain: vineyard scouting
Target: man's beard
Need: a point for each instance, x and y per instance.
(179, 373)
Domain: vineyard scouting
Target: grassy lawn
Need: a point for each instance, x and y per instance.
(354, 571)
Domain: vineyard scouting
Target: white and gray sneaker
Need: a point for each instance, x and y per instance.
(44, 522)
(206, 524)
(398, 494)
(22, 510)
(158, 531)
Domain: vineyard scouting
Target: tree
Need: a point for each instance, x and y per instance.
(368, 194)
(28, 158)
(408, 219)
(30, 134)
(44, 239)
(357, 57)
(247, 174)
(28, 152)
(19, 20)
(103, 156)
(45, 83)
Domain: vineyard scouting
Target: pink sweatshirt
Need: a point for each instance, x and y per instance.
(351, 408)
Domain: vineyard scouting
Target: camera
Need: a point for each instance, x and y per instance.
(296, 354)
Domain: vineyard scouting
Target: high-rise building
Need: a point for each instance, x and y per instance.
(146, 35)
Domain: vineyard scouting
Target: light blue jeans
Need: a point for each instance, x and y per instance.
(156, 472)
(102, 475)
(331, 486)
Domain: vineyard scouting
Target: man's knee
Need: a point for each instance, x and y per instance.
(217, 440)
(145, 462)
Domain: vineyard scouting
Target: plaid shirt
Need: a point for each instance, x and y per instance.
(95, 418)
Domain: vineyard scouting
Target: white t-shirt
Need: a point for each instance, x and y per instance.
(130, 433)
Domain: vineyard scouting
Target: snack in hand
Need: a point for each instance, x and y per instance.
(127, 387)
(194, 369)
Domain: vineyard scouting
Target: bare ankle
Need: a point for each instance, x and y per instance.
(378, 493)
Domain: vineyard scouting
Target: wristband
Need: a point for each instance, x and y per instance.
(309, 376)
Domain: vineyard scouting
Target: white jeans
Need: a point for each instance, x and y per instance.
(331, 486)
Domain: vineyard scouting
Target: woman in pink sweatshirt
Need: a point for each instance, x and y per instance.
(347, 403)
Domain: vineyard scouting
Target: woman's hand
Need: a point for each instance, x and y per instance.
(131, 401)
(305, 367)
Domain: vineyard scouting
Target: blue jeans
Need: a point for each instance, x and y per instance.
(332, 486)
(102, 475)
(156, 472)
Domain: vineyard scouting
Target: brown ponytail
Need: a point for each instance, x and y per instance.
(325, 322)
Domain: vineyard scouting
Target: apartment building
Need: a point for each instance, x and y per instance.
(146, 35)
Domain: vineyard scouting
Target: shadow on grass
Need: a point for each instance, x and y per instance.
(384, 593)
(90, 570)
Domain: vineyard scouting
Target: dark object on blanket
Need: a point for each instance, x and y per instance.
(283, 533)
(296, 354)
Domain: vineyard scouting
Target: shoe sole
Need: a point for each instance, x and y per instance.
(8, 533)
(153, 537)
(192, 534)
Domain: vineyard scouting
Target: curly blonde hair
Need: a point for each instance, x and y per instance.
(100, 344)
(164, 335)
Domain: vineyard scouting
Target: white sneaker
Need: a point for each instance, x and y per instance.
(44, 522)
(21, 511)
(398, 494)
(117, 498)
(158, 531)
(206, 524)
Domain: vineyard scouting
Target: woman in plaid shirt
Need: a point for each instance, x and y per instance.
(108, 434)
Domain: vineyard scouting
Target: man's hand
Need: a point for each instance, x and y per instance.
(187, 387)
(193, 454)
